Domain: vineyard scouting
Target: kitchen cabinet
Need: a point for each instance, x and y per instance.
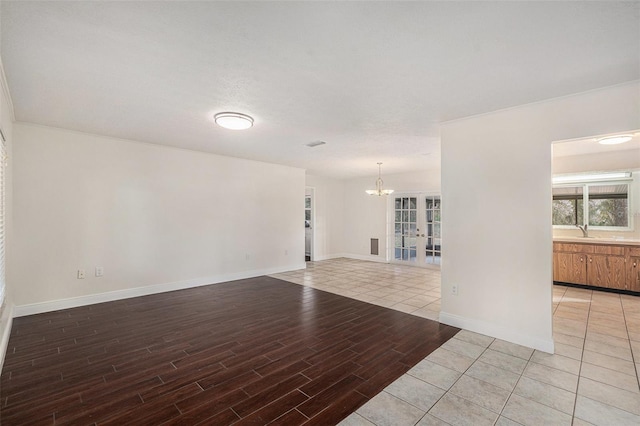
(633, 269)
(598, 265)
(570, 268)
(606, 271)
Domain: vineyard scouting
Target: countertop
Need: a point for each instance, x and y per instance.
(598, 240)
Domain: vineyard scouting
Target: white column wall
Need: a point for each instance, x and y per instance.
(496, 192)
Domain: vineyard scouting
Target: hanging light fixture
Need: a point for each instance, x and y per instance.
(379, 191)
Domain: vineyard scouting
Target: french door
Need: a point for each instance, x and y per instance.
(416, 229)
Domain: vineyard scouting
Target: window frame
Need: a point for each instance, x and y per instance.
(585, 204)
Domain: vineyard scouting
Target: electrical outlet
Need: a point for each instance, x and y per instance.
(99, 271)
(454, 289)
(81, 274)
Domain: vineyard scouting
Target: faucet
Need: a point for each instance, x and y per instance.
(583, 228)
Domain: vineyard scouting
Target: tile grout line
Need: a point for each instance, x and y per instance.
(584, 343)
(633, 357)
(447, 391)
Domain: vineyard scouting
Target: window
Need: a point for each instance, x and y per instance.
(598, 204)
(568, 208)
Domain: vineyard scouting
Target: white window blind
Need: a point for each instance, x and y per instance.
(3, 166)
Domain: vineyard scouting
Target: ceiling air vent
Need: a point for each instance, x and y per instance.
(316, 143)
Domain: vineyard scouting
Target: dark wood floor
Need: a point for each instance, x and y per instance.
(253, 351)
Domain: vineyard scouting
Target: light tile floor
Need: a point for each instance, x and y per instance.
(593, 378)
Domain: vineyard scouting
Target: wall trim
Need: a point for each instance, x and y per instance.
(5, 90)
(369, 258)
(6, 321)
(90, 299)
(330, 256)
(497, 331)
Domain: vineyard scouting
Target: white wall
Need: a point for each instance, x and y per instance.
(155, 218)
(347, 218)
(365, 216)
(496, 200)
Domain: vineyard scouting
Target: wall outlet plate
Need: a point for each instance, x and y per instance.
(99, 271)
(454, 289)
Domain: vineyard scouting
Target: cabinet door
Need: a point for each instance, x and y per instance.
(579, 268)
(633, 274)
(597, 271)
(561, 266)
(617, 274)
(570, 268)
(606, 271)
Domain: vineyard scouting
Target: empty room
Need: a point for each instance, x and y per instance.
(469, 177)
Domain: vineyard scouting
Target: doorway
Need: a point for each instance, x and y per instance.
(416, 230)
(308, 224)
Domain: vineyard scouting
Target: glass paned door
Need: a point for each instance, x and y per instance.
(416, 230)
(433, 248)
(406, 228)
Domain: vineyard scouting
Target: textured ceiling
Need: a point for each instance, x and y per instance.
(373, 80)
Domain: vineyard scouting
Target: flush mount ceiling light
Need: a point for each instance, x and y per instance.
(233, 120)
(614, 140)
(379, 191)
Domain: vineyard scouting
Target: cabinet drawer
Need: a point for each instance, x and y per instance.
(573, 248)
(634, 251)
(614, 250)
(565, 247)
(585, 248)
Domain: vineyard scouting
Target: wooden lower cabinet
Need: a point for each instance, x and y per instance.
(633, 273)
(598, 265)
(570, 268)
(606, 271)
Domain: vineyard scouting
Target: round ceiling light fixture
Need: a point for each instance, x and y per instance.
(614, 140)
(233, 120)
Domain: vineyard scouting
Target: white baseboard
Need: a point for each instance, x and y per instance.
(6, 320)
(370, 258)
(327, 257)
(497, 331)
(90, 299)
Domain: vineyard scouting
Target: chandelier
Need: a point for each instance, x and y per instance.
(379, 191)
